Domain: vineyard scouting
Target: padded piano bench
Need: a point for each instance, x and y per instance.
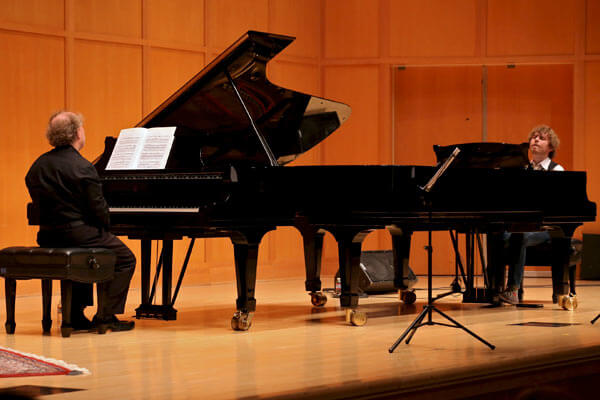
(86, 265)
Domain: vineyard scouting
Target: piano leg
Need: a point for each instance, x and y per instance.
(245, 248)
(166, 310)
(349, 249)
(560, 273)
(146, 248)
(313, 250)
(168, 279)
(401, 252)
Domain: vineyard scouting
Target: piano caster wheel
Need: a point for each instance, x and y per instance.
(408, 296)
(318, 299)
(355, 317)
(241, 321)
(568, 302)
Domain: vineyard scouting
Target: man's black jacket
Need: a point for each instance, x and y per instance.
(66, 188)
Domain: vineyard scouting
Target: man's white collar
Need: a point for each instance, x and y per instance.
(545, 163)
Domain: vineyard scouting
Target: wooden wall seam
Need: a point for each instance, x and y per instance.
(481, 39)
(145, 60)
(579, 87)
(20, 28)
(321, 58)
(69, 49)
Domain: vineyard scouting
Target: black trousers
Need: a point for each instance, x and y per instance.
(501, 252)
(90, 236)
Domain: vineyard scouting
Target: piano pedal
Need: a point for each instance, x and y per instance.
(356, 317)
(241, 321)
(318, 299)
(568, 302)
(407, 296)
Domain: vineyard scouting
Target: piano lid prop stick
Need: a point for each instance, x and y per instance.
(261, 138)
(441, 170)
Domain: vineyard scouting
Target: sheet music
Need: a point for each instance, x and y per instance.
(142, 148)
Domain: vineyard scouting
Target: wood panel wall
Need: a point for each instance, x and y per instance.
(115, 60)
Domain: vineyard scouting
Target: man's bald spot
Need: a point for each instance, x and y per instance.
(64, 117)
(62, 128)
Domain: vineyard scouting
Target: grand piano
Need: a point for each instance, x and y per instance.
(226, 176)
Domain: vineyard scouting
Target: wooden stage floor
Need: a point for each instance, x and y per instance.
(296, 351)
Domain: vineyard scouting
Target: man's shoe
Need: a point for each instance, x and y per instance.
(113, 324)
(509, 296)
(495, 300)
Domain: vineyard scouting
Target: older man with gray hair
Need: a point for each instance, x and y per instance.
(67, 191)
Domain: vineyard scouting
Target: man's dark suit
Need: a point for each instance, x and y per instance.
(66, 189)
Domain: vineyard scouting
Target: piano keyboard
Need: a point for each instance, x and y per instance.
(154, 209)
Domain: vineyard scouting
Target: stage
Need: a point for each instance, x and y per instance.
(294, 350)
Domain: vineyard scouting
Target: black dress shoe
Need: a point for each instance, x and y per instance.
(112, 323)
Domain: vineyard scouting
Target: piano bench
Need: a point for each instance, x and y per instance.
(541, 255)
(85, 265)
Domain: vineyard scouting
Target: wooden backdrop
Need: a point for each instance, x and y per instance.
(115, 60)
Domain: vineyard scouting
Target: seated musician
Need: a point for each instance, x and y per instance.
(66, 189)
(510, 248)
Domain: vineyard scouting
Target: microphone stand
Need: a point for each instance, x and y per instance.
(429, 307)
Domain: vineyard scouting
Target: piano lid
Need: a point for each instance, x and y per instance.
(485, 155)
(213, 127)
